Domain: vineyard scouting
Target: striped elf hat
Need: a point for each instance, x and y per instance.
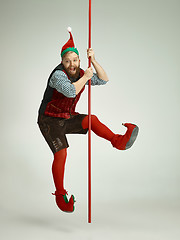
(69, 46)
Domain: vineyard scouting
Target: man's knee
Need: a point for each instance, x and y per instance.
(94, 119)
(62, 154)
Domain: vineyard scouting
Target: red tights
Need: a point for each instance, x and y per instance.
(58, 165)
(98, 128)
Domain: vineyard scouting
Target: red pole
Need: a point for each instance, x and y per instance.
(89, 133)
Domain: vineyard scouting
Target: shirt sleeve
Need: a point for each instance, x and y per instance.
(95, 80)
(62, 84)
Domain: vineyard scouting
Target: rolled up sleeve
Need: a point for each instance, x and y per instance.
(62, 84)
(95, 80)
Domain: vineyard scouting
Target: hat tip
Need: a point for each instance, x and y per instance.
(69, 29)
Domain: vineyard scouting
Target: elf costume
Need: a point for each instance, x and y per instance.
(57, 117)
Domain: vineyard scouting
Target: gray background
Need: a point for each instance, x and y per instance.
(135, 193)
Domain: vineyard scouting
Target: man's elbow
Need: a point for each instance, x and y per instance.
(70, 94)
(104, 78)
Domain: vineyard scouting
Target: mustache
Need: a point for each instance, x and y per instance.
(72, 67)
(76, 75)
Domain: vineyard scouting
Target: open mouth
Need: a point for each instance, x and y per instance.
(72, 70)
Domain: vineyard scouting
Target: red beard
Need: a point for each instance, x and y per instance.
(73, 72)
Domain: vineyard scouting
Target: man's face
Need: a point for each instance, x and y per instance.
(71, 64)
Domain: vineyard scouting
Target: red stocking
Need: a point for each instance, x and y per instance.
(58, 168)
(98, 128)
(121, 142)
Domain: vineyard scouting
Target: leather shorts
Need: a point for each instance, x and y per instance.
(54, 130)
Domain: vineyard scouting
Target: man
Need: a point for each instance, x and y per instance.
(57, 116)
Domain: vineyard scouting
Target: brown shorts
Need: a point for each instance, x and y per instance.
(54, 130)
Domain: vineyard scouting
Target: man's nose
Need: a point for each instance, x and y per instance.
(71, 63)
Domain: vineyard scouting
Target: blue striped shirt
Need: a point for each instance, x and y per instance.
(62, 83)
